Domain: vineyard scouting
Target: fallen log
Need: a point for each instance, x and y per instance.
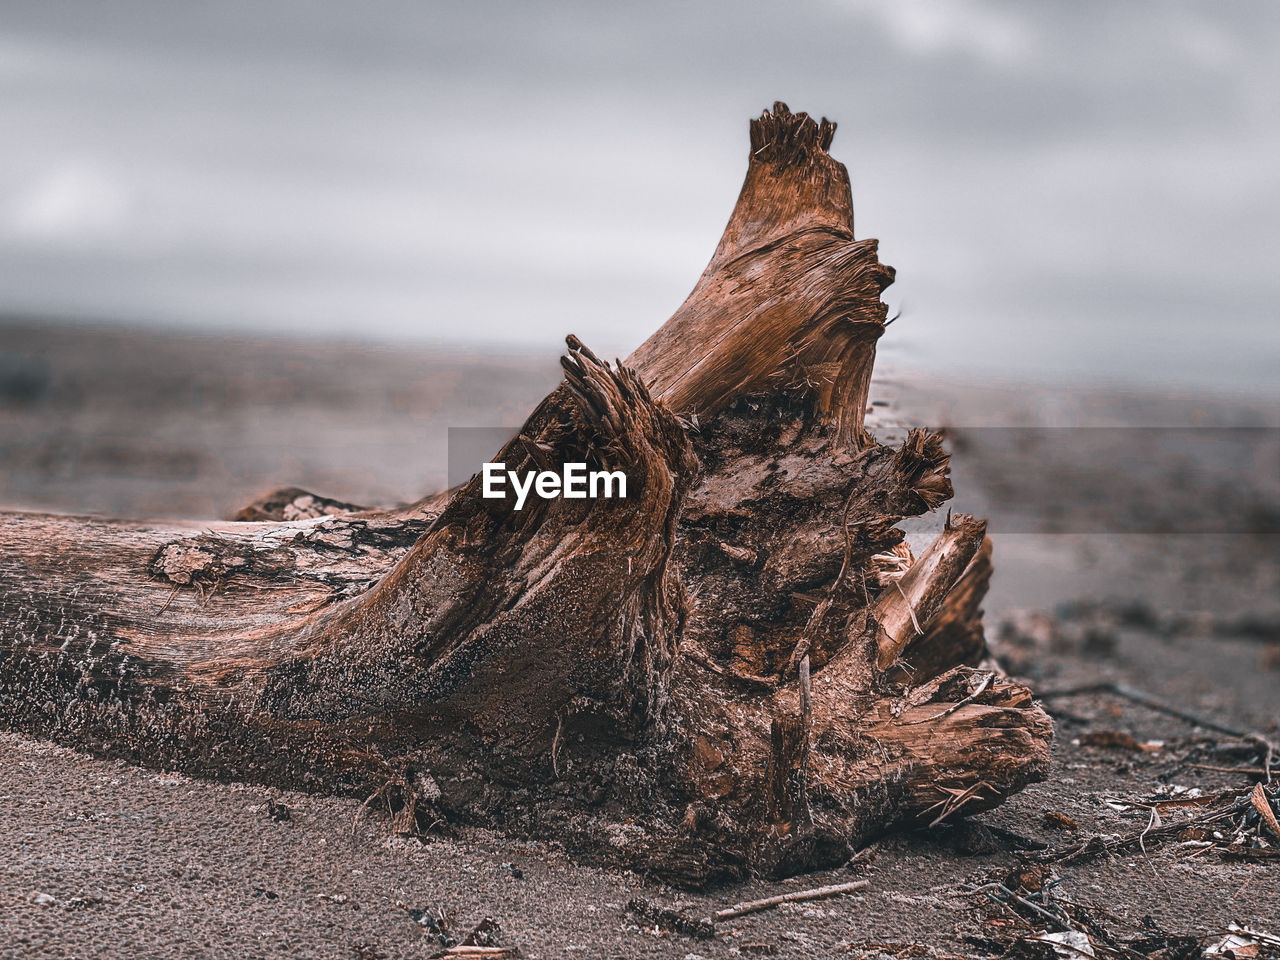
(624, 675)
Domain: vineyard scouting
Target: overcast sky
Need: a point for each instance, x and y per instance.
(1066, 189)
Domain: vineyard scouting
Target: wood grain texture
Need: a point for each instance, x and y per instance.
(790, 298)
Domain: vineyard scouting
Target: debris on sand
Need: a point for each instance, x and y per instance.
(1126, 691)
(1068, 944)
(486, 933)
(1036, 922)
(1236, 822)
(1055, 820)
(278, 811)
(436, 922)
(704, 929)
(482, 942)
(674, 921)
(1241, 942)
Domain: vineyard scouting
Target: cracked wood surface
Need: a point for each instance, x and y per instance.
(619, 674)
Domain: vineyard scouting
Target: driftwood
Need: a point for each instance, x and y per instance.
(621, 674)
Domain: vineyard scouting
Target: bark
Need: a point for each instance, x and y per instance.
(738, 668)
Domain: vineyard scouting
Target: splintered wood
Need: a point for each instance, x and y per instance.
(735, 669)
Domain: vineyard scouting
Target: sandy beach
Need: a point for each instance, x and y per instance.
(1168, 582)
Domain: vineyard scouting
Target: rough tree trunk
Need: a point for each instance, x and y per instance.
(737, 668)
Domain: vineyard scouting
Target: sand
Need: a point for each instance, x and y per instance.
(101, 859)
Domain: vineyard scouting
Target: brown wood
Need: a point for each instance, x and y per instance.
(789, 299)
(797, 896)
(726, 672)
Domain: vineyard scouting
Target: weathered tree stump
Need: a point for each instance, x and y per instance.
(737, 668)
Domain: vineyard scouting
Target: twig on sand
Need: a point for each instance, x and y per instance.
(1152, 823)
(1270, 751)
(1141, 697)
(817, 893)
(990, 890)
(1251, 771)
(865, 855)
(704, 929)
(555, 747)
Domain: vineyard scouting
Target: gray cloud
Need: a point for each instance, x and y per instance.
(1066, 188)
